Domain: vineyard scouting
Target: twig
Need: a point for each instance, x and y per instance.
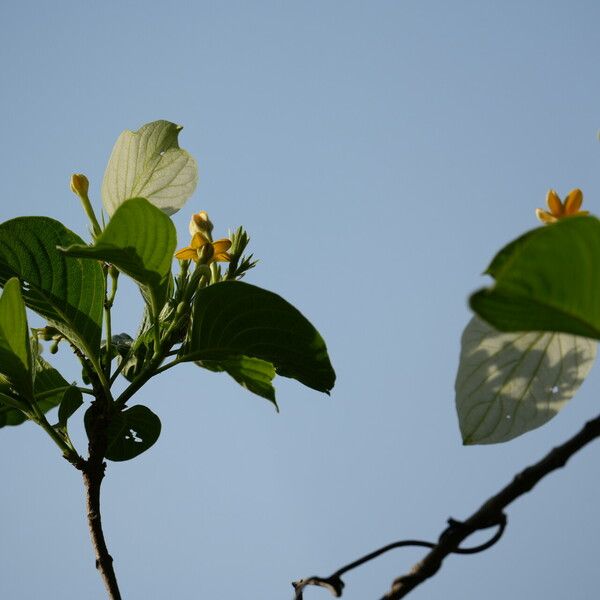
(489, 514)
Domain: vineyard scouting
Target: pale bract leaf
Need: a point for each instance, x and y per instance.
(510, 383)
(148, 163)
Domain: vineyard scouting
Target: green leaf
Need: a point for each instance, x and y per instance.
(15, 348)
(149, 163)
(48, 382)
(68, 292)
(71, 401)
(510, 383)
(132, 432)
(547, 280)
(140, 241)
(254, 374)
(232, 319)
(10, 414)
(12, 408)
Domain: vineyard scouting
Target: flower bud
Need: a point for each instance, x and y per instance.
(205, 253)
(80, 185)
(200, 223)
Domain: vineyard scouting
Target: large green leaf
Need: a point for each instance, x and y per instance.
(69, 292)
(15, 348)
(510, 383)
(232, 319)
(131, 432)
(140, 241)
(149, 163)
(547, 280)
(254, 374)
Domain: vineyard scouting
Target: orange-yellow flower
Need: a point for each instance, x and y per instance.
(201, 248)
(559, 210)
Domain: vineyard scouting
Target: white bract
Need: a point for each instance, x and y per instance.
(149, 164)
(510, 383)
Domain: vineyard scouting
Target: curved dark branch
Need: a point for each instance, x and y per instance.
(522, 483)
(335, 584)
(490, 514)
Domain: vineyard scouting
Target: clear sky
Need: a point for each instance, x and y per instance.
(379, 154)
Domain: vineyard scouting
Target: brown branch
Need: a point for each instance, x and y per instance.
(93, 474)
(92, 478)
(489, 514)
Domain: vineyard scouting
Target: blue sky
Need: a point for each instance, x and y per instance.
(379, 154)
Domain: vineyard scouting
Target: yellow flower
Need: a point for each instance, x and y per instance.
(559, 210)
(202, 249)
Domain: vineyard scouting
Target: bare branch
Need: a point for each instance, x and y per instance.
(490, 514)
(335, 584)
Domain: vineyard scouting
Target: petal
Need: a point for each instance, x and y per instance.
(573, 201)
(544, 216)
(199, 240)
(221, 257)
(554, 203)
(186, 254)
(221, 245)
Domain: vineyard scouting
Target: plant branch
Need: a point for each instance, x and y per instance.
(68, 451)
(173, 363)
(489, 514)
(108, 304)
(335, 584)
(153, 368)
(57, 390)
(93, 473)
(148, 372)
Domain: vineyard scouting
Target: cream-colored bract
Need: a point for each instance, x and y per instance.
(148, 163)
(510, 383)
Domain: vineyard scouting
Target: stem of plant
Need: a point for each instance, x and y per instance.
(93, 473)
(54, 391)
(99, 419)
(109, 270)
(68, 452)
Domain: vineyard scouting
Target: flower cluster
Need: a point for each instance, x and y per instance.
(202, 248)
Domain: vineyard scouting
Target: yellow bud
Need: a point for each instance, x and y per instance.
(80, 185)
(200, 223)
